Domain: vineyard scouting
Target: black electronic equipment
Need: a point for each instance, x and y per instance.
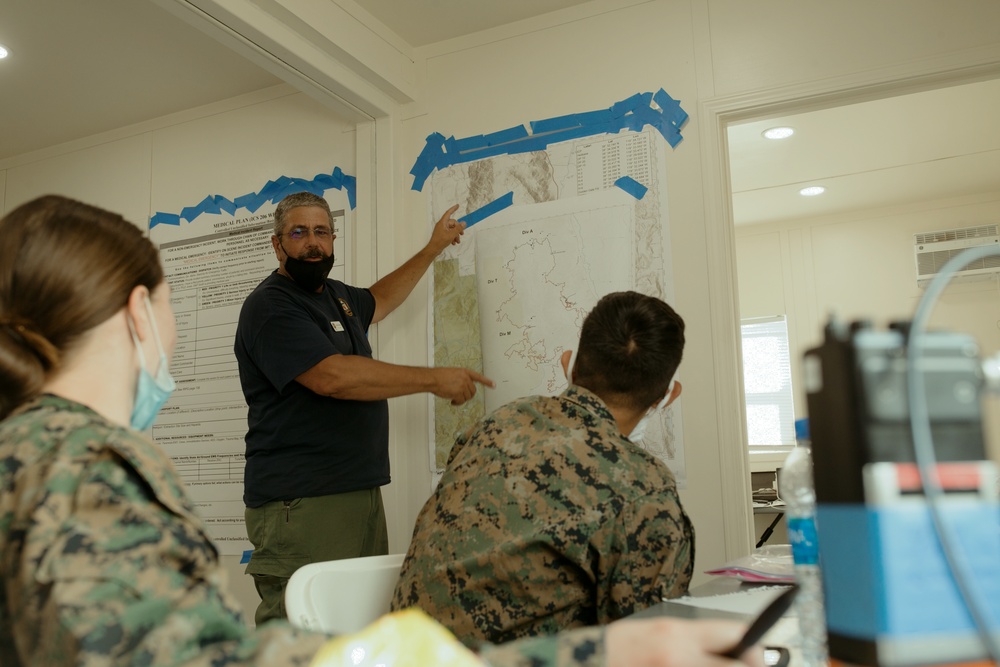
(891, 598)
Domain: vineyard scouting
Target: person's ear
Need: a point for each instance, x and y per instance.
(564, 359)
(675, 392)
(135, 309)
(276, 245)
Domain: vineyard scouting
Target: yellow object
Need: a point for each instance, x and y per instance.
(408, 638)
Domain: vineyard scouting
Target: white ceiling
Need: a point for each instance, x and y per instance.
(911, 148)
(422, 22)
(81, 68)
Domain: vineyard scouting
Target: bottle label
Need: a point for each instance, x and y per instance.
(802, 535)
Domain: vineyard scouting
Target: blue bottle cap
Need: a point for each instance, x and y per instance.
(802, 429)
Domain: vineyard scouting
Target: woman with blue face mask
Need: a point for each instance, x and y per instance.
(102, 556)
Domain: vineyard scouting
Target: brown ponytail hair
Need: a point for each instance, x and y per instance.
(65, 267)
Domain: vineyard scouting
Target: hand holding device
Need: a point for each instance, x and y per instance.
(772, 612)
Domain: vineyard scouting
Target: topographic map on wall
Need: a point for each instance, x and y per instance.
(549, 232)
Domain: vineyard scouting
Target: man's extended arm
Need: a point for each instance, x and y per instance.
(393, 289)
(357, 378)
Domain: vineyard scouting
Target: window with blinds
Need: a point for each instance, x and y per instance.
(767, 382)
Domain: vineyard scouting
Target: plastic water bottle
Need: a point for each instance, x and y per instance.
(795, 483)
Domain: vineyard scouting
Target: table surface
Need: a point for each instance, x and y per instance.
(715, 586)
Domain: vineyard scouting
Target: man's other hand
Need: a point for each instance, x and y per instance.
(458, 385)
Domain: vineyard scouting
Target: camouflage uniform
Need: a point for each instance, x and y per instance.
(546, 518)
(103, 561)
(103, 558)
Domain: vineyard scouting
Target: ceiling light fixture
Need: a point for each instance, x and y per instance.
(778, 133)
(3, 52)
(812, 191)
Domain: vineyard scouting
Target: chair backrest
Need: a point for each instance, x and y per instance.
(342, 596)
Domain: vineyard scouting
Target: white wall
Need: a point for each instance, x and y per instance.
(230, 149)
(757, 46)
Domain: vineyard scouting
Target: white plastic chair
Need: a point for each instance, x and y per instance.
(342, 596)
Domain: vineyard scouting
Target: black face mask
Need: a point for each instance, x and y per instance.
(309, 275)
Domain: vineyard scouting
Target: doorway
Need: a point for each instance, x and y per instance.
(727, 196)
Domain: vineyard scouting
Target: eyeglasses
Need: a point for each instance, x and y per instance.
(299, 233)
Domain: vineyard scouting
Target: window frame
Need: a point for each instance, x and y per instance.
(770, 456)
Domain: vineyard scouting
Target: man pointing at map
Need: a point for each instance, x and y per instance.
(317, 444)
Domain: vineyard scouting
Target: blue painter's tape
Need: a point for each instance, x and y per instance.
(670, 108)
(210, 204)
(164, 219)
(484, 212)
(273, 191)
(487, 151)
(601, 117)
(189, 213)
(506, 136)
(672, 136)
(246, 557)
(450, 147)
(245, 201)
(470, 143)
(351, 186)
(637, 101)
(633, 113)
(420, 172)
(431, 157)
(632, 186)
(553, 124)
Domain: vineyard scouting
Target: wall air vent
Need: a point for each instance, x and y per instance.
(932, 249)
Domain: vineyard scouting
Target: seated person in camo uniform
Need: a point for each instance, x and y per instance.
(548, 515)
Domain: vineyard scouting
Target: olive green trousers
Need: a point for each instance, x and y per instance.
(287, 534)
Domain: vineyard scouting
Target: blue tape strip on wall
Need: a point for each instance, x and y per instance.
(633, 113)
(632, 186)
(483, 212)
(273, 191)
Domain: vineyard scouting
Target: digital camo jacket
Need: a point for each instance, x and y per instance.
(104, 562)
(546, 518)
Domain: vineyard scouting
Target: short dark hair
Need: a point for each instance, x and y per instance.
(630, 347)
(297, 200)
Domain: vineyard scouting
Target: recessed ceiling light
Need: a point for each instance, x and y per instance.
(812, 191)
(778, 133)
(3, 52)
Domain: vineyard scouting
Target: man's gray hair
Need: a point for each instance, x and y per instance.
(295, 201)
